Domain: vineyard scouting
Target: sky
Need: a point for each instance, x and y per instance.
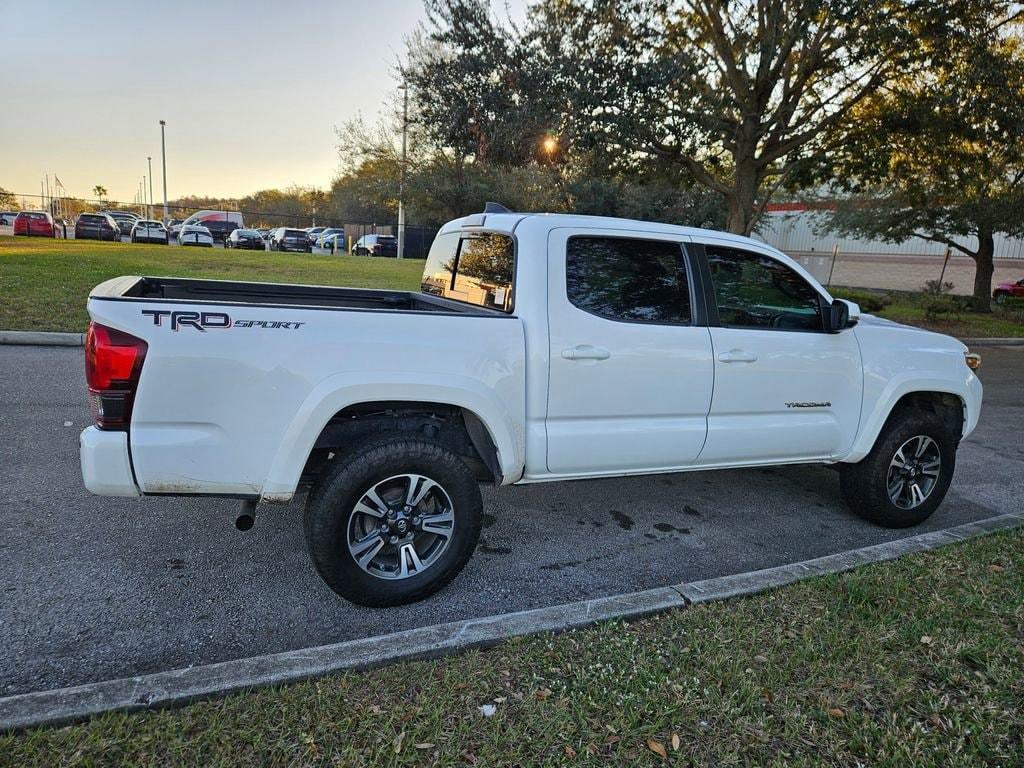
(251, 91)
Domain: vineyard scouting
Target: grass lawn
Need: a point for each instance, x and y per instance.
(912, 663)
(913, 309)
(44, 283)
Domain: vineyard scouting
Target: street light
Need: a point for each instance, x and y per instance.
(163, 157)
(149, 211)
(404, 87)
(549, 145)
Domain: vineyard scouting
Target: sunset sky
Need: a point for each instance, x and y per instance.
(251, 91)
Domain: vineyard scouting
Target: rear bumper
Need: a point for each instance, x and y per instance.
(106, 468)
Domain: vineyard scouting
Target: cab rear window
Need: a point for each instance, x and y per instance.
(473, 268)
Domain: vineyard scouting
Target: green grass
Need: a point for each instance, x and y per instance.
(911, 309)
(912, 663)
(44, 283)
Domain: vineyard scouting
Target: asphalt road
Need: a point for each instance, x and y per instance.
(96, 588)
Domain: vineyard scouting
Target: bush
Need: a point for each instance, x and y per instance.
(943, 307)
(867, 301)
(937, 288)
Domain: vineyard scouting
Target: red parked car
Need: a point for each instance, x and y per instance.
(34, 224)
(1008, 290)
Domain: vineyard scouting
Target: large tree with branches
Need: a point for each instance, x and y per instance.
(940, 153)
(737, 94)
(742, 93)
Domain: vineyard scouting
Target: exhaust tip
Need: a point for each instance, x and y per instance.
(244, 522)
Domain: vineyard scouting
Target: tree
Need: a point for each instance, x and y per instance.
(8, 200)
(940, 154)
(99, 191)
(736, 94)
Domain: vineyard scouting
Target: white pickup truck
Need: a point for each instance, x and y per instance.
(540, 348)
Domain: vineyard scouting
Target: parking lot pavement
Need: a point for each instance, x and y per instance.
(97, 588)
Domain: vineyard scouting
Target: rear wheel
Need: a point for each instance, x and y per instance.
(1002, 297)
(906, 475)
(394, 521)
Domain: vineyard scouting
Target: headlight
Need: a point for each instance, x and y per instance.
(973, 360)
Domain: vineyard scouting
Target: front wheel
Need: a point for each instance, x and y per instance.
(906, 475)
(1002, 297)
(393, 521)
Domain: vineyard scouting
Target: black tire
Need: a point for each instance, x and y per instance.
(342, 485)
(865, 484)
(1001, 297)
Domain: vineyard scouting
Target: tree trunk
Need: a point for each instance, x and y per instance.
(740, 217)
(983, 271)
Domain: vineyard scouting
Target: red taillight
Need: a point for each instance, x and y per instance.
(113, 362)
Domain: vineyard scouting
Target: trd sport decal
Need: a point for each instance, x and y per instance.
(203, 321)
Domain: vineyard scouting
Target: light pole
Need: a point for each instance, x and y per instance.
(163, 158)
(404, 87)
(149, 213)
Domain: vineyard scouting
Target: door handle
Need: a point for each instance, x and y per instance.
(737, 356)
(586, 352)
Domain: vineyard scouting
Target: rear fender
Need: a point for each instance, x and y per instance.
(344, 390)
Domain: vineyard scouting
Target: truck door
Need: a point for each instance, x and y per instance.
(631, 369)
(784, 388)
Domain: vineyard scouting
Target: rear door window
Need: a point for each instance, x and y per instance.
(476, 268)
(626, 279)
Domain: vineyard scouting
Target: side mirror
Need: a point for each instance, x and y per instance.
(840, 314)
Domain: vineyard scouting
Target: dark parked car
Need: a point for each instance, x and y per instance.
(34, 224)
(248, 239)
(96, 226)
(125, 221)
(220, 229)
(376, 245)
(285, 239)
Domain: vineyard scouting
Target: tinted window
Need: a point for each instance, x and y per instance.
(756, 291)
(477, 269)
(623, 279)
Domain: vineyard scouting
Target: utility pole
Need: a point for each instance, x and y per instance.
(149, 213)
(163, 157)
(401, 179)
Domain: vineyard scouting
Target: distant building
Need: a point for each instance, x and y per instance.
(790, 228)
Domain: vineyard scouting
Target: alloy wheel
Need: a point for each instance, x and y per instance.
(913, 472)
(400, 526)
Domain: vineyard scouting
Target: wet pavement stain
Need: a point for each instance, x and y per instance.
(687, 509)
(487, 549)
(486, 520)
(625, 521)
(666, 528)
(561, 566)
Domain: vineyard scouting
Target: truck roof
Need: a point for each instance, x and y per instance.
(509, 222)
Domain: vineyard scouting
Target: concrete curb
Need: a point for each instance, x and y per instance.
(1010, 342)
(42, 338)
(180, 686)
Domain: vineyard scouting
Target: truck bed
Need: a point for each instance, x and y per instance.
(182, 290)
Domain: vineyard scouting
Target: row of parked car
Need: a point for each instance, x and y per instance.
(201, 229)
